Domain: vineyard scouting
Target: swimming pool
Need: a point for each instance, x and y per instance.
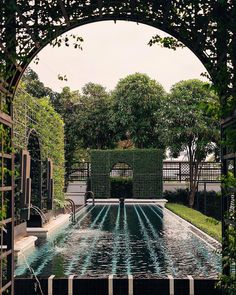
(143, 240)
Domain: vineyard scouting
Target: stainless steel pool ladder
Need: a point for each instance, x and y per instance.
(72, 203)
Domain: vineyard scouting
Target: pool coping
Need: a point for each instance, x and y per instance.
(49, 227)
(110, 201)
(24, 244)
(210, 241)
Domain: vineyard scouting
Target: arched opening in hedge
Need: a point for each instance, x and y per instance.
(147, 171)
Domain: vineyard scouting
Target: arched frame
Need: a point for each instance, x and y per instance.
(121, 167)
(200, 25)
(207, 27)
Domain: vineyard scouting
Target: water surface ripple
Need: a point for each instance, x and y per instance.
(132, 239)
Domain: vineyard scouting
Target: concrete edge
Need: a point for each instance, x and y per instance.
(50, 227)
(24, 244)
(210, 241)
(160, 202)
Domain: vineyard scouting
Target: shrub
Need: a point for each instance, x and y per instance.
(179, 196)
(210, 207)
(121, 187)
(146, 165)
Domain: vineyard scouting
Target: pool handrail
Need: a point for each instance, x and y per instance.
(92, 194)
(72, 203)
(40, 213)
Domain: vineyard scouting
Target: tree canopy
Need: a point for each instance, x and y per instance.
(35, 87)
(94, 113)
(188, 125)
(66, 101)
(137, 101)
(139, 112)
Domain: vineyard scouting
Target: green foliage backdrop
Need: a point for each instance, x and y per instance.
(47, 123)
(147, 171)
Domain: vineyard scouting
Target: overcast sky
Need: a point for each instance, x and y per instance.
(113, 51)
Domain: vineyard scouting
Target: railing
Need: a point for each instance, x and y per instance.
(79, 171)
(173, 171)
(112, 285)
(92, 195)
(180, 171)
(71, 202)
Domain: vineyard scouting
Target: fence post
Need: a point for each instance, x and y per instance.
(88, 170)
(180, 168)
(204, 197)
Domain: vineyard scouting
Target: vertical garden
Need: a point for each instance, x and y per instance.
(39, 129)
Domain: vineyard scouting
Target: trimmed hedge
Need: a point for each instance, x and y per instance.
(147, 165)
(210, 207)
(121, 187)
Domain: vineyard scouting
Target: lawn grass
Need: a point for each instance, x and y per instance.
(207, 224)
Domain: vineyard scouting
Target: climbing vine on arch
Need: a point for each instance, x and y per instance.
(39, 115)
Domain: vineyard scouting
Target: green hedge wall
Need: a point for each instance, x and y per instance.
(147, 171)
(38, 114)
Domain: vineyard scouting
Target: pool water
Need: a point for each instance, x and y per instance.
(131, 239)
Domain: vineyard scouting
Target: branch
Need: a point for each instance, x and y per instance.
(167, 42)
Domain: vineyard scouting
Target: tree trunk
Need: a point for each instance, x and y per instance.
(192, 196)
(194, 182)
(191, 179)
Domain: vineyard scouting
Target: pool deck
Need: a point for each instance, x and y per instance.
(24, 244)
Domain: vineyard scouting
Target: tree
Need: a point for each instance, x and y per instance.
(189, 125)
(35, 87)
(87, 118)
(94, 113)
(66, 101)
(137, 101)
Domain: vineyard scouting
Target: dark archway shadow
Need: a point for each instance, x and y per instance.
(36, 178)
(121, 181)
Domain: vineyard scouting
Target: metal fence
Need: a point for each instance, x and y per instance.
(80, 171)
(121, 170)
(172, 171)
(180, 171)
